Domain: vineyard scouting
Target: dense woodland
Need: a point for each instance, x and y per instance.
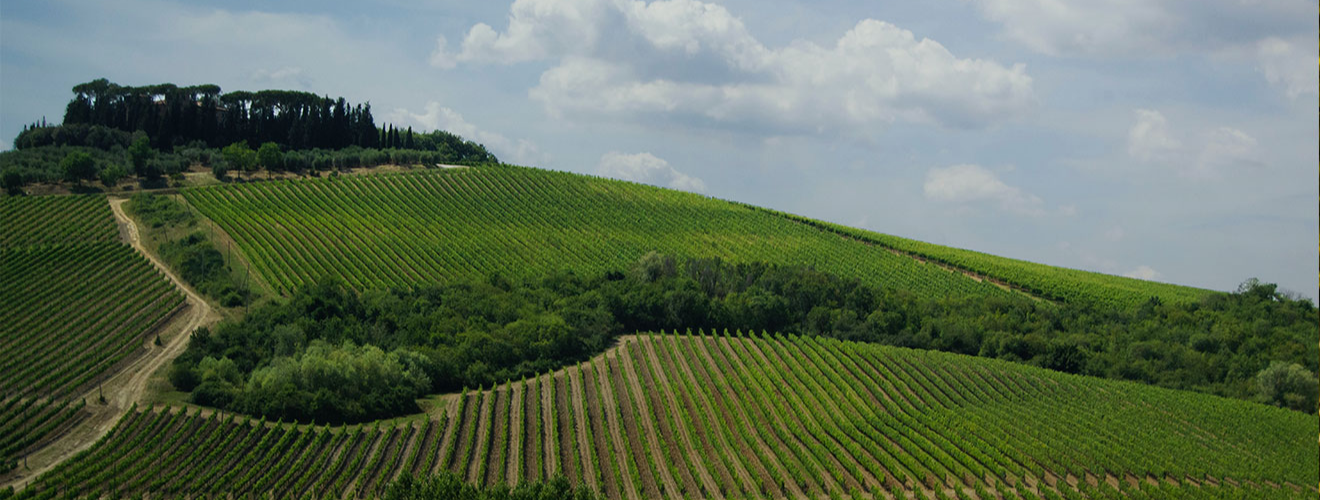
(294, 360)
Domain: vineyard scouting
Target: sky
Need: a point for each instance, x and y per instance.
(1169, 140)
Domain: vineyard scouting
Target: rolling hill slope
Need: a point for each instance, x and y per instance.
(402, 230)
(746, 417)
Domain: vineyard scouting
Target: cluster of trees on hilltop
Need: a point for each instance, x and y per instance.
(172, 115)
(114, 132)
(440, 339)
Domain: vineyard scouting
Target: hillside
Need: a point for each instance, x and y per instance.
(733, 416)
(76, 300)
(403, 230)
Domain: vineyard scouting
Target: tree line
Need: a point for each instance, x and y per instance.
(288, 360)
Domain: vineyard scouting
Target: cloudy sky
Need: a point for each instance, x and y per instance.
(1164, 139)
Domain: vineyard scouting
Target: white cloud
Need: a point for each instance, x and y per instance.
(1144, 273)
(440, 57)
(1144, 27)
(974, 184)
(648, 169)
(1149, 137)
(283, 76)
(1114, 234)
(1226, 150)
(1289, 65)
(439, 117)
(1247, 31)
(1220, 151)
(696, 61)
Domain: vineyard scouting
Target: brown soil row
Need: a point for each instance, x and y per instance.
(512, 470)
(661, 411)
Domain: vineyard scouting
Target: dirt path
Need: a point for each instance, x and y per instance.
(131, 384)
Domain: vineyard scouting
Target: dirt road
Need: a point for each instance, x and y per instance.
(130, 385)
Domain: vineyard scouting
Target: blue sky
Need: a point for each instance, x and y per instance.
(1170, 140)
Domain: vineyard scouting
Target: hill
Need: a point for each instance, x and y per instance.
(407, 229)
(732, 416)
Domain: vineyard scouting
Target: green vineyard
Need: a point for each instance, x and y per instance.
(403, 230)
(76, 301)
(74, 311)
(26, 221)
(1055, 283)
(26, 421)
(683, 416)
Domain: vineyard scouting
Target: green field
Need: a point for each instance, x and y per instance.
(403, 230)
(409, 229)
(679, 416)
(1056, 283)
(26, 221)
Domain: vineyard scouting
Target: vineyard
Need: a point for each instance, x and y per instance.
(402, 230)
(40, 220)
(684, 416)
(26, 421)
(76, 300)
(1056, 283)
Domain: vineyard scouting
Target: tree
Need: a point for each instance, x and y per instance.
(1288, 386)
(270, 156)
(140, 153)
(111, 175)
(240, 157)
(220, 170)
(78, 166)
(12, 181)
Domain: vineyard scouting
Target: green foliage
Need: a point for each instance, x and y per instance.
(344, 383)
(240, 157)
(481, 333)
(194, 257)
(160, 211)
(12, 181)
(220, 170)
(141, 153)
(1288, 385)
(111, 175)
(449, 486)
(270, 156)
(78, 166)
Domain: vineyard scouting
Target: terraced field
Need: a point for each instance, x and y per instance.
(679, 416)
(403, 230)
